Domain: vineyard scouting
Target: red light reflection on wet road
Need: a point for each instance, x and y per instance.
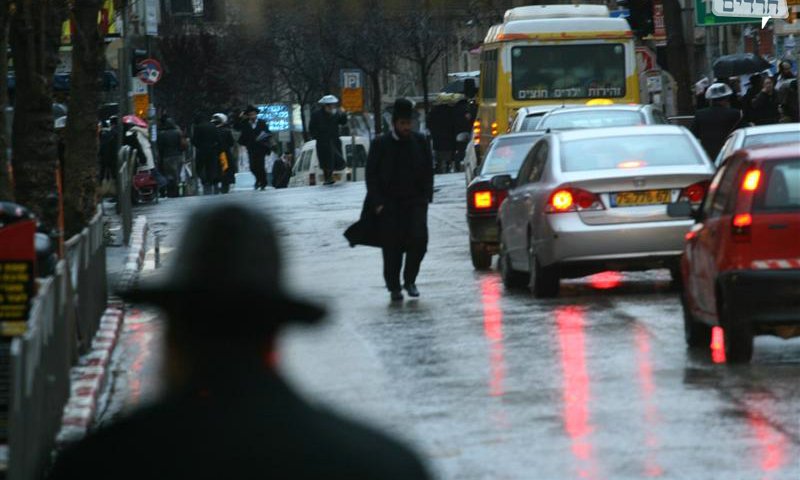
(493, 331)
(605, 280)
(772, 444)
(575, 386)
(647, 387)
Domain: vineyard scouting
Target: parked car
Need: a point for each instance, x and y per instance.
(741, 260)
(601, 116)
(755, 136)
(586, 201)
(527, 118)
(306, 169)
(504, 157)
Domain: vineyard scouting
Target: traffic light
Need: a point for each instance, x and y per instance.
(641, 16)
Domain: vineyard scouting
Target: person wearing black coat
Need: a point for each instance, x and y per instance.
(208, 146)
(170, 154)
(713, 124)
(324, 128)
(226, 413)
(399, 189)
(220, 120)
(256, 138)
(441, 124)
(764, 109)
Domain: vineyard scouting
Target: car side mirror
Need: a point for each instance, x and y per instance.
(502, 182)
(682, 210)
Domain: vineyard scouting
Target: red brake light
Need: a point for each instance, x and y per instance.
(632, 164)
(751, 180)
(695, 193)
(742, 220)
(573, 199)
(482, 199)
(476, 132)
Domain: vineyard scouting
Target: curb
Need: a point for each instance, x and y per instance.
(88, 379)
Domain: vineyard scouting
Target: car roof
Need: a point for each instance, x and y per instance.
(589, 133)
(776, 128)
(770, 152)
(536, 109)
(589, 108)
(509, 136)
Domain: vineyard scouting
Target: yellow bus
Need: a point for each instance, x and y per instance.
(553, 54)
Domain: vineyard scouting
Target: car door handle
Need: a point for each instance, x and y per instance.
(778, 226)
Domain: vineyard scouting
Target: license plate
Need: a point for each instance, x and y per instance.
(642, 197)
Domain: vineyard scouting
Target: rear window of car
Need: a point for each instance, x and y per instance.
(782, 184)
(529, 123)
(771, 138)
(506, 155)
(635, 151)
(592, 119)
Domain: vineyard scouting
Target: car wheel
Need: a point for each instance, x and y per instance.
(481, 259)
(512, 279)
(543, 281)
(698, 334)
(738, 334)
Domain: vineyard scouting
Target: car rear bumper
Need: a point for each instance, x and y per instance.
(483, 228)
(570, 240)
(763, 297)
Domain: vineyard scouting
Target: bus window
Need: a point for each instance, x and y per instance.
(568, 71)
(489, 74)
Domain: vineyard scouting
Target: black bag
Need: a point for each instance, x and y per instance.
(367, 230)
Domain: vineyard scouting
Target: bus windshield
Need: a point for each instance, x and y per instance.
(568, 71)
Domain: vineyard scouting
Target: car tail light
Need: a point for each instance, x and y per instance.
(476, 132)
(486, 199)
(742, 220)
(482, 199)
(741, 227)
(751, 180)
(695, 193)
(573, 200)
(494, 129)
(312, 179)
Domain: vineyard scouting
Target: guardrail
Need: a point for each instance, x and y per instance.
(63, 318)
(124, 186)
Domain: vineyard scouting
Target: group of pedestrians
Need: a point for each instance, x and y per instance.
(450, 122)
(720, 108)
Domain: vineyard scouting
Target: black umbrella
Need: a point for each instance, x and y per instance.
(739, 64)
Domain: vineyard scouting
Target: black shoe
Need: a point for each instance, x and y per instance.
(412, 290)
(329, 182)
(397, 296)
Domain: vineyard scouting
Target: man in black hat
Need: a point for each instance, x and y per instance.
(324, 128)
(227, 413)
(256, 138)
(399, 188)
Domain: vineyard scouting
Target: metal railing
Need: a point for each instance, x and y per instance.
(64, 317)
(124, 185)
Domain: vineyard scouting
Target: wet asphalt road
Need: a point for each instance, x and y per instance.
(489, 384)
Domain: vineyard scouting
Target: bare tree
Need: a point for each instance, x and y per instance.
(6, 189)
(80, 179)
(35, 30)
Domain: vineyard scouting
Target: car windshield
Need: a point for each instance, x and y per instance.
(568, 71)
(635, 151)
(591, 119)
(506, 155)
(783, 187)
(772, 138)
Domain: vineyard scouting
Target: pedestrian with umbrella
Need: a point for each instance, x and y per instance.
(739, 64)
(226, 411)
(713, 124)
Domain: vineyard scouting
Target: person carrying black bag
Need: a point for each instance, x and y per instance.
(324, 128)
(399, 189)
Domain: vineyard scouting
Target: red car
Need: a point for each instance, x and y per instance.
(741, 261)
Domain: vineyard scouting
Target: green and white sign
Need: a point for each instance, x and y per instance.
(704, 18)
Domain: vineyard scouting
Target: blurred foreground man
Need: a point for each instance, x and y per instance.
(399, 188)
(228, 413)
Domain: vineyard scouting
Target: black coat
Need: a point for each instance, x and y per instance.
(383, 171)
(764, 109)
(441, 123)
(261, 430)
(249, 138)
(712, 126)
(324, 128)
(208, 143)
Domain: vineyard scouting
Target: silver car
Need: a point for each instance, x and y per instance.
(755, 136)
(601, 116)
(586, 201)
(527, 118)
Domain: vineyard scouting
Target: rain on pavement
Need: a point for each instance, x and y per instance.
(490, 384)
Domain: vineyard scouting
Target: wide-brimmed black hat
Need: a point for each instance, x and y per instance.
(228, 256)
(403, 108)
(251, 108)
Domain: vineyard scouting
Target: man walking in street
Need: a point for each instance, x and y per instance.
(170, 153)
(324, 128)
(208, 146)
(227, 143)
(441, 124)
(399, 188)
(713, 124)
(226, 412)
(256, 137)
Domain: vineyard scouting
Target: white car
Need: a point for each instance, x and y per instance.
(306, 170)
(527, 118)
(755, 136)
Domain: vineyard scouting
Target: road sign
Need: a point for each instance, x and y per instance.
(351, 78)
(750, 8)
(277, 115)
(149, 71)
(353, 99)
(645, 59)
(705, 18)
